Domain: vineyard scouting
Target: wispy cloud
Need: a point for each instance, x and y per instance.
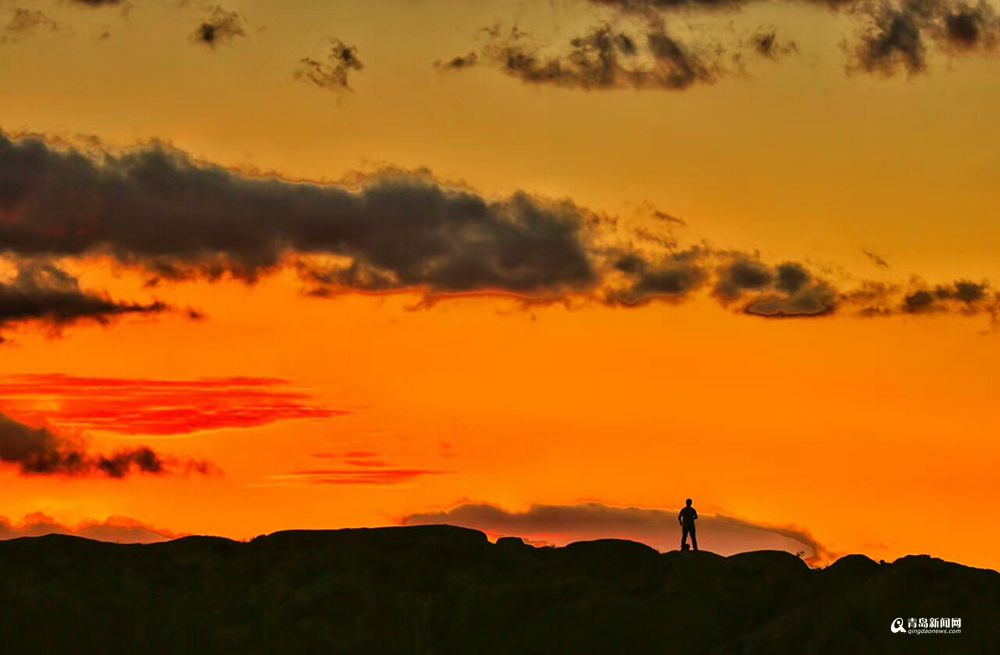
(352, 476)
(357, 467)
(219, 27)
(25, 22)
(876, 259)
(333, 72)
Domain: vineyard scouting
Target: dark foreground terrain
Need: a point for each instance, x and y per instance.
(440, 589)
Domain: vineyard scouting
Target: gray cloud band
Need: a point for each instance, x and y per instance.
(155, 209)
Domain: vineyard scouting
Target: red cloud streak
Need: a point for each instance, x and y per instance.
(362, 476)
(153, 407)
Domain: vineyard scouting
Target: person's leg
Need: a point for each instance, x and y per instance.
(694, 538)
(684, 536)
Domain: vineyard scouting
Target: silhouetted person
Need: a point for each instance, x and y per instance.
(686, 518)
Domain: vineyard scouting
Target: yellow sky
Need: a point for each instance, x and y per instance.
(876, 435)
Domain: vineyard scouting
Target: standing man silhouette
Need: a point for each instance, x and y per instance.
(686, 518)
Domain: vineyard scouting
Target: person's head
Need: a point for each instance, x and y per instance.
(688, 502)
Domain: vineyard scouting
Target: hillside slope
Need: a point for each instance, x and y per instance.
(442, 589)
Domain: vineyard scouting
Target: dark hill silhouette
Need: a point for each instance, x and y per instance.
(442, 589)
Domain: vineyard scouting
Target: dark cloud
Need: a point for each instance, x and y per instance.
(156, 209)
(25, 22)
(791, 290)
(814, 301)
(667, 218)
(964, 291)
(119, 465)
(792, 278)
(44, 293)
(219, 26)
(39, 451)
(331, 74)
(562, 524)
(918, 301)
(964, 296)
(765, 42)
(894, 40)
(740, 276)
(876, 259)
(459, 62)
(788, 290)
(966, 27)
(603, 58)
(891, 36)
(739, 280)
(672, 277)
(895, 34)
(116, 529)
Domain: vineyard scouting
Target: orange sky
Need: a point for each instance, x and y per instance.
(875, 435)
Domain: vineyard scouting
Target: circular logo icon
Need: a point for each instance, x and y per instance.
(897, 626)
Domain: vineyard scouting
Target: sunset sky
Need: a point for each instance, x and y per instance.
(539, 268)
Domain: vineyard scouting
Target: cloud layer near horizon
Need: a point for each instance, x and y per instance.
(559, 525)
(116, 529)
(156, 210)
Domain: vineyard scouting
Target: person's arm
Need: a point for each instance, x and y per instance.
(694, 514)
(680, 517)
